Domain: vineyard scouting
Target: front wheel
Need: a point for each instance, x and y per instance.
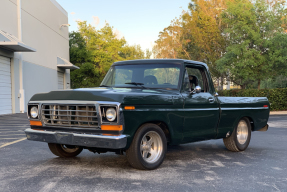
(240, 138)
(64, 150)
(148, 148)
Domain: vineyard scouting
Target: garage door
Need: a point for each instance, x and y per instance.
(60, 80)
(5, 86)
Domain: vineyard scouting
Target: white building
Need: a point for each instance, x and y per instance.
(34, 51)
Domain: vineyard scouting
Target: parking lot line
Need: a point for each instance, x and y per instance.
(12, 142)
(12, 134)
(11, 131)
(7, 138)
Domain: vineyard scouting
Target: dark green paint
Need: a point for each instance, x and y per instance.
(196, 125)
(230, 118)
(174, 108)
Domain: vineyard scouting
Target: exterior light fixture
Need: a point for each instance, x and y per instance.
(65, 25)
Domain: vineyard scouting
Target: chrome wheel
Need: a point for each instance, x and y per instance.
(151, 147)
(242, 132)
(69, 149)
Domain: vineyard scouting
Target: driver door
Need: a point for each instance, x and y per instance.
(201, 109)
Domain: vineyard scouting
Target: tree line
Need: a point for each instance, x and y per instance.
(243, 41)
(95, 50)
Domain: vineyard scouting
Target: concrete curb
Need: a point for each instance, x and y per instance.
(278, 112)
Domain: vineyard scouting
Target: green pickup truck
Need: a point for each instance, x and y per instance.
(140, 108)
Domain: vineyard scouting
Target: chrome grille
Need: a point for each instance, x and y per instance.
(70, 115)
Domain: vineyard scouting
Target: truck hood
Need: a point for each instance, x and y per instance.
(127, 96)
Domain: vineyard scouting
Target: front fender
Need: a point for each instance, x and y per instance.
(170, 115)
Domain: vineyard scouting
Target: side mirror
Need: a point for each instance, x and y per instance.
(197, 89)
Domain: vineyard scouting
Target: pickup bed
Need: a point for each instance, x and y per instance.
(141, 107)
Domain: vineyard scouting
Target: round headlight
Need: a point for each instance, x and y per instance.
(111, 114)
(34, 112)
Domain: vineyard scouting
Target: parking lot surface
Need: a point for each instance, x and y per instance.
(202, 166)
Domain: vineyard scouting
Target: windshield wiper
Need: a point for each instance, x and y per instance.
(104, 86)
(134, 83)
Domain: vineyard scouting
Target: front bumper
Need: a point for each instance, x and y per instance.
(86, 140)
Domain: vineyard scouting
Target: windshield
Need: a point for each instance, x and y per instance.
(164, 76)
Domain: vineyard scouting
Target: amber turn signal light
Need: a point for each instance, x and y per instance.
(111, 127)
(36, 123)
(129, 107)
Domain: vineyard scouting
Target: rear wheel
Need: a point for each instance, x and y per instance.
(148, 148)
(65, 150)
(240, 138)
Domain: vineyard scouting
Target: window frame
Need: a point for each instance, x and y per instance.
(179, 85)
(203, 72)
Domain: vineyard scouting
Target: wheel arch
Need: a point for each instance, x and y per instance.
(250, 121)
(240, 117)
(163, 126)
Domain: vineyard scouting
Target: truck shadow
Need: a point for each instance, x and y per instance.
(202, 155)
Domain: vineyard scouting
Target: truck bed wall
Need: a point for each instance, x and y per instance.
(234, 108)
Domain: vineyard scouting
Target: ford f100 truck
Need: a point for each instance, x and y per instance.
(140, 108)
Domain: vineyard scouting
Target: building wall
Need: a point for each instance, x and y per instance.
(8, 16)
(34, 74)
(41, 21)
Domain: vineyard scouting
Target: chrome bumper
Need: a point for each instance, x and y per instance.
(86, 140)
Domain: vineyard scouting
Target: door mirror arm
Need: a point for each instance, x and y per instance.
(197, 89)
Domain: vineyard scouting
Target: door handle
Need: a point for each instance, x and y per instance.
(211, 100)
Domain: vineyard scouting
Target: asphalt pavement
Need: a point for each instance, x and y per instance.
(202, 166)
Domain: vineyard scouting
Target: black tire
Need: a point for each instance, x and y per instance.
(232, 143)
(134, 154)
(59, 150)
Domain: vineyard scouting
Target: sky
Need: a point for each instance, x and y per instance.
(138, 21)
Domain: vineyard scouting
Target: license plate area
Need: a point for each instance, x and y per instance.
(65, 138)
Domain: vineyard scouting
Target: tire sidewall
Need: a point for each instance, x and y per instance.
(60, 152)
(145, 129)
(242, 147)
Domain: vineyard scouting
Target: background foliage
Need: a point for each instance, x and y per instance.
(95, 50)
(255, 31)
(276, 97)
(244, 41)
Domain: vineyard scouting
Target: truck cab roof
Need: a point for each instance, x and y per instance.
(159, 61)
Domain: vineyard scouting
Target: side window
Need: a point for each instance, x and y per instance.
(197, 77)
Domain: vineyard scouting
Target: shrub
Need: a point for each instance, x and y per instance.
(277, 97)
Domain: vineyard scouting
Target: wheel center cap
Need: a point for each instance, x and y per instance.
(146, 147)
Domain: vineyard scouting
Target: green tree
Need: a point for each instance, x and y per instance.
(78, 50)
(254, 31)
(172, 42)
(196, 35)
(81, 57)
(132, 52)
(94, 51)
(205, 25)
